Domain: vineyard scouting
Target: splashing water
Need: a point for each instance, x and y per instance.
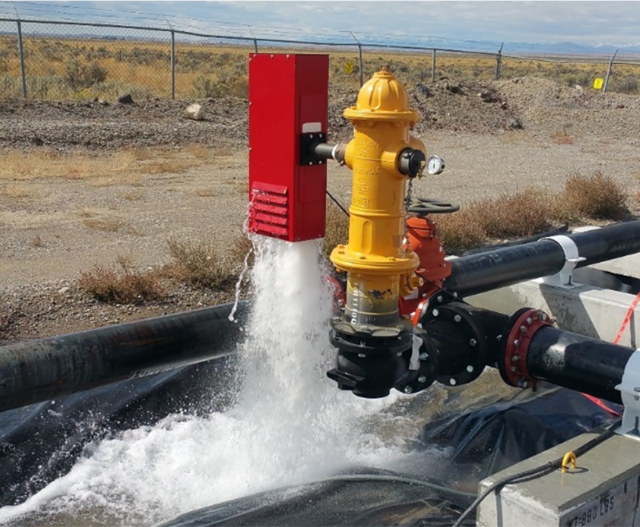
(290, 423)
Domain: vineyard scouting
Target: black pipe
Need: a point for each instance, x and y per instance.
(577, 362)
(330, 151)
(478, 273)
(522, 241)
(40, 370)
(560, 357)
(466, 338)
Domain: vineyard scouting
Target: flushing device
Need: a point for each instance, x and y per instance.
(403, 324)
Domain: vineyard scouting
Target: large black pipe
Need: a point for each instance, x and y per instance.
(578, 362)
(40, 370)
(560, 357)
(478, 273)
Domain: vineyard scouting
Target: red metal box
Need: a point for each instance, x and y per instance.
(288, 99)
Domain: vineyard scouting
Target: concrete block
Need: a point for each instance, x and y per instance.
(583, 309)
(601, 491)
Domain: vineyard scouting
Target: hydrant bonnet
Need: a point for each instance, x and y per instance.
(383, 97)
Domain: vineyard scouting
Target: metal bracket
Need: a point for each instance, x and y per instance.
(630, 393)
(564, 278)
(307, 155)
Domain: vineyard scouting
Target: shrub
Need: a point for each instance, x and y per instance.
(203, 87)
(460, 231)
(120, 284)
(597, 197)
(233, 83)
(242, 248)
(628, 84)
(44, 87)
(515, 215)
(79, 75)
(197, 264)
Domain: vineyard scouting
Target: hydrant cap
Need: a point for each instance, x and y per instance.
(382, 97)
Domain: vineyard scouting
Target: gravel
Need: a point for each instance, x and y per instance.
(468, 107)
(472, 123)
(91, 125)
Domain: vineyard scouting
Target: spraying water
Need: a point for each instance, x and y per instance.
(289, 425)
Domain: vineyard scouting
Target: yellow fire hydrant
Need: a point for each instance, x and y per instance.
(382, 156)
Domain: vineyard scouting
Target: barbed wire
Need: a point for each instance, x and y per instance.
(183, 56)
(123, 15)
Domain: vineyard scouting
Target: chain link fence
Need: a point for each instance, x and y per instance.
(67, 60)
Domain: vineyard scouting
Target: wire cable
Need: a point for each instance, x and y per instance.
(338, 204)
(453, 295)
(400, 479)
(535, 472)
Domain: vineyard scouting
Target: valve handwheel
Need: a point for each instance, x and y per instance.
(423, 206)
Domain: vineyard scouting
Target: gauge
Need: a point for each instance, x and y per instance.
(435, 165)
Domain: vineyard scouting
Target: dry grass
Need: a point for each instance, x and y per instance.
(164, 167)
(41, 164)
(125, 168)
(194, 263)
(199, 151)
(533, 211)
(239, 251)
(17, 190)
(597, 197)
(507, 216)
(64, 68)
(198, 264)
(561, 137)
(460, 231)
(121, 284)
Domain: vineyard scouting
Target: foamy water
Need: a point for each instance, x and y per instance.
(290, 423)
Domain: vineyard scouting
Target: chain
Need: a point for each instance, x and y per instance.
(407, 199)
(407, 204)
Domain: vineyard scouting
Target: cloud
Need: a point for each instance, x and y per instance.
(583, 22)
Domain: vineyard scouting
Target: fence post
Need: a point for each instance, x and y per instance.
(433, 65)
(255, 45)
(606, 80)
(173, 65)
(360, 63)
(499, 61)
(22, 69)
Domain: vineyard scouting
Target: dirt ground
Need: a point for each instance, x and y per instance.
(188, 180)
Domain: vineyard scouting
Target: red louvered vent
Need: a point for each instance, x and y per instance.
(270, 210)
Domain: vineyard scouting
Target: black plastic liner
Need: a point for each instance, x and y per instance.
(487, 440)
(42, 442)
(478, 443)
(363, 497)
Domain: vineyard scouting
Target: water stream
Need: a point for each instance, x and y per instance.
(289, 424)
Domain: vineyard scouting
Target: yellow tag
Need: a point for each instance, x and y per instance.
(348, 68)
(598, 82)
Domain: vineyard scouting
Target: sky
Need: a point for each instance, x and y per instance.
(580, 22)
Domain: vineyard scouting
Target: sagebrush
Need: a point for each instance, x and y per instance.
(121, 283)
(199, 264)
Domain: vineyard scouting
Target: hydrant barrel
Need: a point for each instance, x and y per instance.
(375, 258)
